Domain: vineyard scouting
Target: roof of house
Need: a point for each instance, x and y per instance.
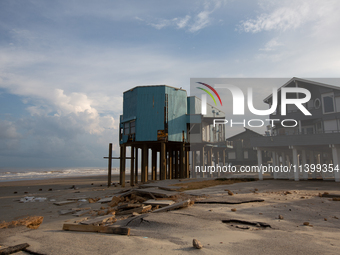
(247, 130)
(158, 85)
(294, 79)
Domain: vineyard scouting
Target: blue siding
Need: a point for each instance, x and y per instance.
(150, 112)
(177, 121)
(146, 105)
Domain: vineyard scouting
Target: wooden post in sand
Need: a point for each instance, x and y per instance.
(109, 166)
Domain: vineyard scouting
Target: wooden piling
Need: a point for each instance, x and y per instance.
(132, 167)
(144, 163)
(109, 172)
(154, 164)
(163, 161)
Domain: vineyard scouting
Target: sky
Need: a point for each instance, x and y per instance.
(64, 65)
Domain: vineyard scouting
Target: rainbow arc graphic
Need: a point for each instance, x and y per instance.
(209, 93)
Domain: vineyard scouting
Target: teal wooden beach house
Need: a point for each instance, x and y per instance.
(156, 124)
(154, 121)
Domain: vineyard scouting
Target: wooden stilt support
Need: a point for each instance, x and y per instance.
(187, 163)
(154, 164)
(132, 167)
(122, 166)
(109, 173)
(193, 165)
(144, 163)
(163, 161)
(182, 161)
(202, 162)
(136, 165)
(217, 162)
(170, 163)
(176, 164)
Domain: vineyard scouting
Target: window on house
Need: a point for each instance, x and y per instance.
(328, 103)
(133, 127)
(232, 155)
(245, 154)
(337, 104)
(126, 128)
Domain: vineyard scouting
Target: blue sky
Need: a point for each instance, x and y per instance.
(65, 64)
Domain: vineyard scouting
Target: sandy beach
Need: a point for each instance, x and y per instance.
(172, 232)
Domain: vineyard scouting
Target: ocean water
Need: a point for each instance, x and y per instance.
(41, 174)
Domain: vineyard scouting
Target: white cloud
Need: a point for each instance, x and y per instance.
(290, 14)
(272, 45)
(192, 23)
(182, 23)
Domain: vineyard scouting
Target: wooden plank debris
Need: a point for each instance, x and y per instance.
(81, 213)
(13, 249)
(154, 202)
(143, 209)
(182, 204)
(67, 211)
(76, 198)
(105, 200)
(64, 202)
(228, 200)
(97, 220)
(98, 229)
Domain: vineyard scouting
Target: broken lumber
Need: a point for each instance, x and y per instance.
(182, 204)
(13, 249)
(64, 202)
(81, 213)
(143, 209)
(98, 229)
(98, 220)
(154, 202)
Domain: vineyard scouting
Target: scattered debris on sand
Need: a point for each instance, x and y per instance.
(32, 222)
(252, 223)
(13, 249)
(124, 207)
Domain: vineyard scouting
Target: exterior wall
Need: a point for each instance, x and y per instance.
(177, 120)
(146, 104)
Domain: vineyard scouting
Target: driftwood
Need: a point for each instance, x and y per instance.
(253, 223)
(99, 229)
(230, 201)
(13, 249)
